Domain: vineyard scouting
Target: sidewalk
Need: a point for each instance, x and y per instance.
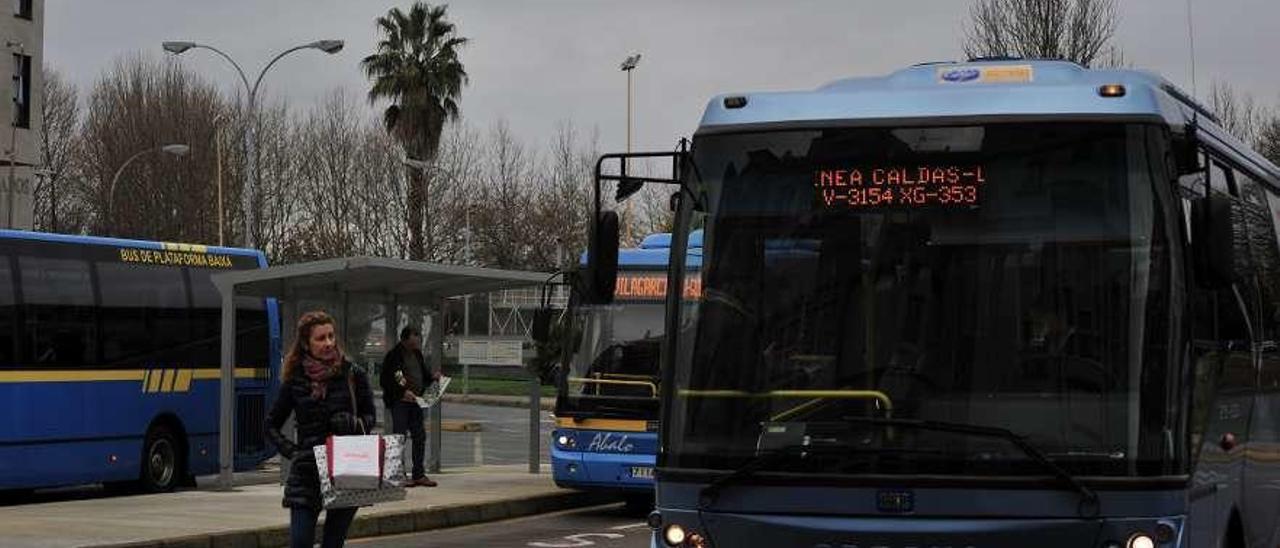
(251, 516)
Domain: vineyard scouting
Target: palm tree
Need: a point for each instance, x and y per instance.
(416, 67)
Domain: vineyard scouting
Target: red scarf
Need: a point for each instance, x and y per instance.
(319, 371)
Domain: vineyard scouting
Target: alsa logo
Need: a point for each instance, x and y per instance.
(961, 75)
(607, 442)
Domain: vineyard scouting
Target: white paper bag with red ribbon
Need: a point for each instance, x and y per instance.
(355, 462)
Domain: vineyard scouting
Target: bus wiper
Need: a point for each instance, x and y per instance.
(1088, 495)
(707, 496)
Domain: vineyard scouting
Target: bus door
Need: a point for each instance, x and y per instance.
(1224, 369)
(1261, 499)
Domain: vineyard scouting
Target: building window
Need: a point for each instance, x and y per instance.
(22, 8)
(22, 90)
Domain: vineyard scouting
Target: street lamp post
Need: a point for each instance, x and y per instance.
(217, 153)
(250, 133)
(628, 65)
(174, 149)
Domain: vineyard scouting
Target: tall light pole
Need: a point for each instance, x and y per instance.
(174, 149)
(21, 51)
(250, 133)
(628, 65)
(217, 152)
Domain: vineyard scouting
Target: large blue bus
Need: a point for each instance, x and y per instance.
(109, 361)
(979, 304)
(606, 435)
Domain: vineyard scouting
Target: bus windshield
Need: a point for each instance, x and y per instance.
(1015, 275)
(617, 354)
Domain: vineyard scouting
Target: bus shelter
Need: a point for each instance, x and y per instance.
(392, 282)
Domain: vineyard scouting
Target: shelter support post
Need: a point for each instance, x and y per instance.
(227, 389)
(436, 344)
(535, 423)
(288, 328)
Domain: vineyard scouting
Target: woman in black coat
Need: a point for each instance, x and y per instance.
(317, 387)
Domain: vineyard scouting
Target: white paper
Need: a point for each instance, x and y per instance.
(433, 392)
(356, 462)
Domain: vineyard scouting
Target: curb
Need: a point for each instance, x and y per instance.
(547, 404)
(450, 425)
(391, 523)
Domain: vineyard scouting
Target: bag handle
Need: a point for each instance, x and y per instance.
(351, 388)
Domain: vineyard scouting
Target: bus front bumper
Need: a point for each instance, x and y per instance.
(602, 471)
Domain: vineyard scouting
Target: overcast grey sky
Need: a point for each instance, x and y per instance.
(536, 63)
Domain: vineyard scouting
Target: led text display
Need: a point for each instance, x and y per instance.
(651, 287)
(914, 186)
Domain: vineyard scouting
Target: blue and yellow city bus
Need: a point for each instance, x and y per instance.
(984, 304)
(109, 356)
(606, 435)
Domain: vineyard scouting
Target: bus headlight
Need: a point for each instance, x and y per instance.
(565, 441)
(1141, 540)
(674, 535)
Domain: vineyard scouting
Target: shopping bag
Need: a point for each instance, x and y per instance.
(390, 488)
(355, 462)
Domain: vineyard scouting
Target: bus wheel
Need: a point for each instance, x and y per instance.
(161, 460)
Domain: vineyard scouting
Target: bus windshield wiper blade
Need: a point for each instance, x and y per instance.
(1012, 437)
(707, 496)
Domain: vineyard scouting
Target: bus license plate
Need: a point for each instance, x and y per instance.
(644, 472)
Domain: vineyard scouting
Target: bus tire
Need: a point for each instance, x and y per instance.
(162, 462)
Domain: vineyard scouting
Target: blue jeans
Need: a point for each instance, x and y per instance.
(406, 418)
(302, 527)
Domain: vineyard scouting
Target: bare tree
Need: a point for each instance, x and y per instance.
(500, 216)
(60, 110)
(1074, 30)
(1268, 140)
(1238, 112)
(561, 213)
(137, 107)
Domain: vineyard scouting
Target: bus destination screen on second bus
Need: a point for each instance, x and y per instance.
(915, 186)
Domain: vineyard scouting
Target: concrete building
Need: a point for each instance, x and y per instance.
(22, 38)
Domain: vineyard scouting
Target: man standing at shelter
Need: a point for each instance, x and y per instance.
(405, 374)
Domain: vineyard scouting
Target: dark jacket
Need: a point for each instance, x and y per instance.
(392, 392)
(317, 420)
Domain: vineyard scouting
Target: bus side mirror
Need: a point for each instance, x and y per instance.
(1212, 241)
(541, 331)
(1186, 152)
(602, 259)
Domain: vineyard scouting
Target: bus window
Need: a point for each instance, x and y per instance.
(1269, 264)
(57, 296)
(144, 312)
(252, 345)
(1220, 179)
(8, 314)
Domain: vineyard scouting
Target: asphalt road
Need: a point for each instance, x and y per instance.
(503, 439)
(602, 527)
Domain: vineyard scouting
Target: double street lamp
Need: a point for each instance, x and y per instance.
(250, 134)
(174, 149)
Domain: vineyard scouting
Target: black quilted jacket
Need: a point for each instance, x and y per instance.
(317, 420)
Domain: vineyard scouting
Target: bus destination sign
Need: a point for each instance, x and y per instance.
(653, 287)
(909, 187)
